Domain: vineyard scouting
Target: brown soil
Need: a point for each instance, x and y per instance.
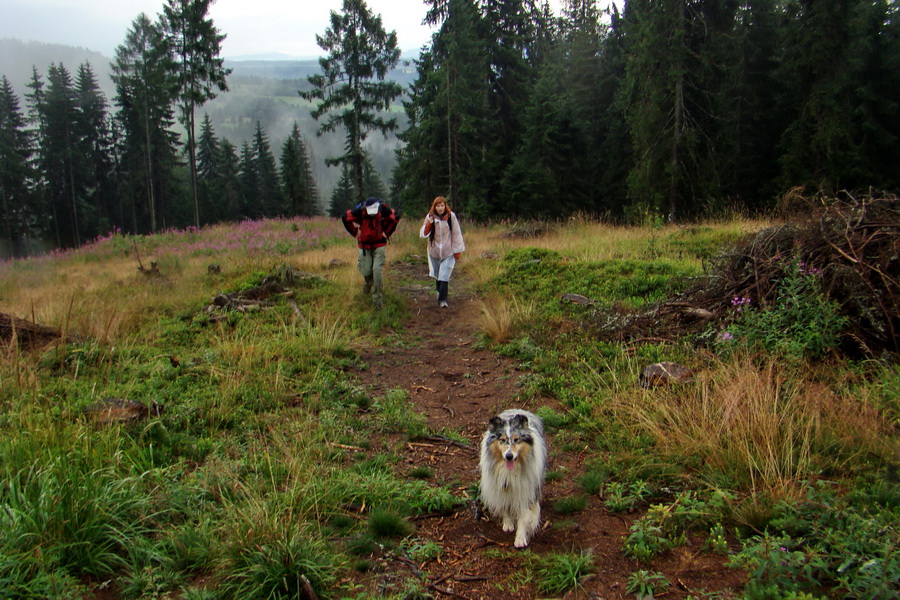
(459, 387)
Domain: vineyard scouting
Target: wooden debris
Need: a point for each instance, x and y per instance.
(151, 271)
(22, 333)
(111, 411)
(664, 373)
(247, 300)
(579, 299)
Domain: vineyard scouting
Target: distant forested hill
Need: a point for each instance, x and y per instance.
(259, 90)
(17, 59)
(404, 74)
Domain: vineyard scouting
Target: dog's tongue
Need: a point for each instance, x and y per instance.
(510, 465)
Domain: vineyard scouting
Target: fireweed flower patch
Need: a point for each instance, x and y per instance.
(268, 236)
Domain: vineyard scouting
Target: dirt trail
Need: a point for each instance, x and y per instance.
(459, 387)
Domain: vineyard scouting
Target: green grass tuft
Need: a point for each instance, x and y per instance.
(388, 524)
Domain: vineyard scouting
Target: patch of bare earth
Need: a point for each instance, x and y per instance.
(459, 386)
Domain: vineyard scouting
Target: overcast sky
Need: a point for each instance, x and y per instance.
(252, 26)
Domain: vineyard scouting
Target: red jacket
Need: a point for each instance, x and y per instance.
(371, 231)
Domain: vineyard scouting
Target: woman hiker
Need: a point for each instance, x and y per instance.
(445, 243)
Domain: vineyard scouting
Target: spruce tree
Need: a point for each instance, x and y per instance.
(94, 140)
(229, 202)
(198, 69)
(614, 154)
(464, 110)
(373, 186)
(144, 96)
(344, 195)
(512, 43)
(452, 129)
(554, 171)
(752, 106)
(420, 172)
(250, 207)
(352, 89)
(60, 160)
(16, 210)
(843, 131)
(35, 100)
(300, 190)
(208, 159)
(676, 49)
(268, 192)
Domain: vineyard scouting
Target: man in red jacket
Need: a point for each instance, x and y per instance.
(372, 224)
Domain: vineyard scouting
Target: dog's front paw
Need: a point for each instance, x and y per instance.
(509, 525)
(521, 540)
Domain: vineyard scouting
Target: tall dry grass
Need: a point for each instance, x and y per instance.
(501, 316)
(765, 427)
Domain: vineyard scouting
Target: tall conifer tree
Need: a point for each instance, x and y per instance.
(300, 190)
(844, 126)
(198, 69)
(673, 80)
(16, 210)
(144, 96)
(95, 147)
(208, 158)
(60, 160)
(228, 200)
(249, 176)
(352, 89)
(268, 191)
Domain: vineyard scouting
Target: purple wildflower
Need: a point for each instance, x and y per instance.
(738, 302)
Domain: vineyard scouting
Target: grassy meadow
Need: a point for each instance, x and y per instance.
(239, 488)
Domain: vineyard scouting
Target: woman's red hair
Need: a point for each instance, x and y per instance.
(437, 201)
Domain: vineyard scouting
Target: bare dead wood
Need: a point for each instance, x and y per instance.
(445, 592)
(25, 333)
(444, 439)
(297, 312)
(346, 447)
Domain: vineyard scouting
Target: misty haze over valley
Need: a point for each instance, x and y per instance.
(259, 90)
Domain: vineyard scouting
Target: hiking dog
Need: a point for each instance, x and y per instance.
(513, 461)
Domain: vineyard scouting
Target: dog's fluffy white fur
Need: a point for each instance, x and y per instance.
(513, 462)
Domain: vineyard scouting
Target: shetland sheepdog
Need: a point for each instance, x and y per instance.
(513, 461)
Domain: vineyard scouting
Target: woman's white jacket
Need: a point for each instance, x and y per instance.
(447, 241)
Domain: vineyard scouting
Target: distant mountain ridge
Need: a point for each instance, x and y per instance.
(406, 55)
(18, 59)
(269, 56)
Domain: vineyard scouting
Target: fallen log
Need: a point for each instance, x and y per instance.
(25, 333)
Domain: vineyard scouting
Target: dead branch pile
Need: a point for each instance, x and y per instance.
(852, 244)
(266, 294)
(247, 300)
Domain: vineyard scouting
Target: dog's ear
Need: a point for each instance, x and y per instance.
(495, 423)
(519, 422)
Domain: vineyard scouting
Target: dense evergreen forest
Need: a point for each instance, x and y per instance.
(668, 109)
